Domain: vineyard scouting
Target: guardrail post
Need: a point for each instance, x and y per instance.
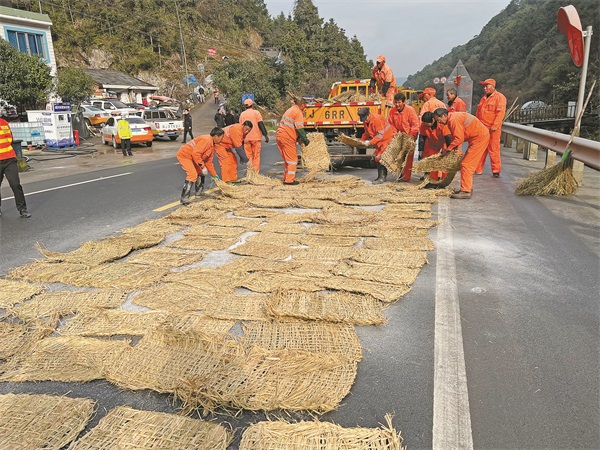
(520, 145)
(578, 171)
(508, 140)
(550, 158)
(530, 150)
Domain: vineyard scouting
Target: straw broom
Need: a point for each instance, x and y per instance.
(559, 179)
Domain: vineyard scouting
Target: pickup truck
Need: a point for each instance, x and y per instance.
(163, 123)
(339, 115)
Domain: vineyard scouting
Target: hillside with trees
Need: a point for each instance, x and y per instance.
(523, 50)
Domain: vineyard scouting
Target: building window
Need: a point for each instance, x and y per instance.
(30, 43)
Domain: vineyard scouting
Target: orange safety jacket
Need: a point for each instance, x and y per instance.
(465, 127)
(405, 121)
(458, 105)
(385, 75)
(234, 136)
(435, 137)
(379, 132)
(292, 120)
(200, 150)
(431, 105)
(253, 116)
(6, 138)
(491, 109)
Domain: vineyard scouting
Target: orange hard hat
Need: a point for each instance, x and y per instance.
(488, 81)
(248, 102)
(380, 58)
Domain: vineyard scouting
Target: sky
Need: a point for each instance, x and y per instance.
(410, 33)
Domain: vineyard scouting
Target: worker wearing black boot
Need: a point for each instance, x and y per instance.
(8, 168)
(381, 174)
(378, 133)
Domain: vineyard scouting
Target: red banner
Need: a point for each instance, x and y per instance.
(212, 52)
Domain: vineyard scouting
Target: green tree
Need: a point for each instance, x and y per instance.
(74, 85)
(24, 80)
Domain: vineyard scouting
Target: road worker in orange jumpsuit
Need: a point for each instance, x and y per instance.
(404, 118)
(490, 112)
(431, 102)
(378, 133)
(232, 144)
(196, 158)
(383, 77)
(465, 127)
(433, 137)
(455, 103)
(291, 129)
(253, 142)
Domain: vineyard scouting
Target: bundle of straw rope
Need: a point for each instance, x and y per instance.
(438, 162)
(351, 141)
(394, 156)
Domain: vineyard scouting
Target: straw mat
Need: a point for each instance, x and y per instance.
(278, 202)
(360, 200)
(401, 223)
(14, 337)
(253, 177)
(63, 303)
(165, 257)
(214, 231)
(197, 322)
(411, 243)
(247, 224)
(340, 307)
(13, 292)
(344, 216)
(111, 322)
(437, 162)
(193, 214)
(385, 292)
(172, 297)
(310, 268)
(323, 253)
(70, 358)
(315, 337)
(90, 253)
(292, 218)
(160, 227)
(329, 241)
(248, 264)
(206, 281)
(275, 238)
(219, 206)
(393, 216)
(352, 142)
(263, 250)
(313, 203)
(238, 307)
(394, 156)
(256, 212)
(47, 272)
(403, 207)
(202, 243)
(127, 428)
(392, 258)
(315, 156)
(42, 421)
(334, 230)
(118, 275)
(285, 228)
(271, 282)
(371, 272)
(319, 436)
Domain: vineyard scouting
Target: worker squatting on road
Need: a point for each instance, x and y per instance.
(291, 129)
(404, 118)
(431, 102)
(8, 167)
(196, 159)
(433, 137)
(455, 103)
(490, 112)
(378, 133)
(465, 127)
(253, 142)
(383, 77)
(230, 147)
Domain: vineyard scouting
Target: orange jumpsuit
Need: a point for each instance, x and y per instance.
(253, 141)
(458, 105)
(385, 75)
(407, 122)
(434, 142)
(292, 120)
(195, 155)
(490, 112)
(379, 132)
(466, 127)
(431, 105)
(234, 137)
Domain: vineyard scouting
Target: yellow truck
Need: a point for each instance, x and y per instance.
(339, 115)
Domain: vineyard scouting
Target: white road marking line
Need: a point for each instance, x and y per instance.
(73, 184)
(451, 416)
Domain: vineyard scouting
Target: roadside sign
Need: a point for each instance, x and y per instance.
(246, 96)
(570, 25)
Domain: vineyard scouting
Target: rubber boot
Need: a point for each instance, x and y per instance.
(199, 185)
(185, 194)
(380, 175)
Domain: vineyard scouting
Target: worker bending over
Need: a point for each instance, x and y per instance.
(291, 129)
(253, 142)
(404, 118)
(232, 144)
(433, 137)
(378, 133)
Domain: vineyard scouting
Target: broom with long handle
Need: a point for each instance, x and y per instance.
(558, 179)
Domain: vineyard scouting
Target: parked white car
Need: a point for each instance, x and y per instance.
(163, 123)
(113, 106)
(140, 132)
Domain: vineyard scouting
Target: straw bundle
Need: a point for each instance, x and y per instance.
(70, 358)
(42, 421)
(99, 322)
(238, 307)
(172, 297)
(255, 178)
(63, 303)
(284, 228)
(165, 257)
(438, 162)
(118, 275)
(210, 231)
(319, 436)
(256, 213)
(202, 243)
(339, 307)
(271, 282)
(385, 292)
(275, 238)
(372, 272)
(263, 250)
(329, 241)
(315, 156)
(15, 337)
(329, 338)
(395, 154)
(127, 428)
(13, 292)
(324, 253)
(555, 180)
(412, 243)
(351, 141)
(413, 260)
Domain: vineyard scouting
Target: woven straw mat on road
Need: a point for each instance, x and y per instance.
(13, 292)
(437, 162)
(395, 154)
(42, 421)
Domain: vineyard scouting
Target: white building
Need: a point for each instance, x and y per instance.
(28, 32)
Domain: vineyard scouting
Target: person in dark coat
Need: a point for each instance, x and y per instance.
(187, 125)
(220, 118)
(230, 118)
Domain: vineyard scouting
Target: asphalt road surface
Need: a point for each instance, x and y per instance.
(495, 347)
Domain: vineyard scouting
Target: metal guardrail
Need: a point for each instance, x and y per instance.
(584, 150)
(549, 113)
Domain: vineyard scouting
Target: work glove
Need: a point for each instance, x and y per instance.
(367, 143)
(204, 171)
(306, 141)
(242, 154)
(267, 139)
(216, 178)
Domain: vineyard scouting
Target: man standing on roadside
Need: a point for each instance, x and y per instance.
(124, 131)
(383, 77)
(455, 103)
(490, 112)
(464, 127)
(404, 118)
(378, 133)
(8, 167)
(253, 142)
(291, 128)
(187, 125)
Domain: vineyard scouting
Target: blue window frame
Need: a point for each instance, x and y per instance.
(29, 42)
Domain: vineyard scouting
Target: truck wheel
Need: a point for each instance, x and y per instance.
(173, 138)
(149, 144)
